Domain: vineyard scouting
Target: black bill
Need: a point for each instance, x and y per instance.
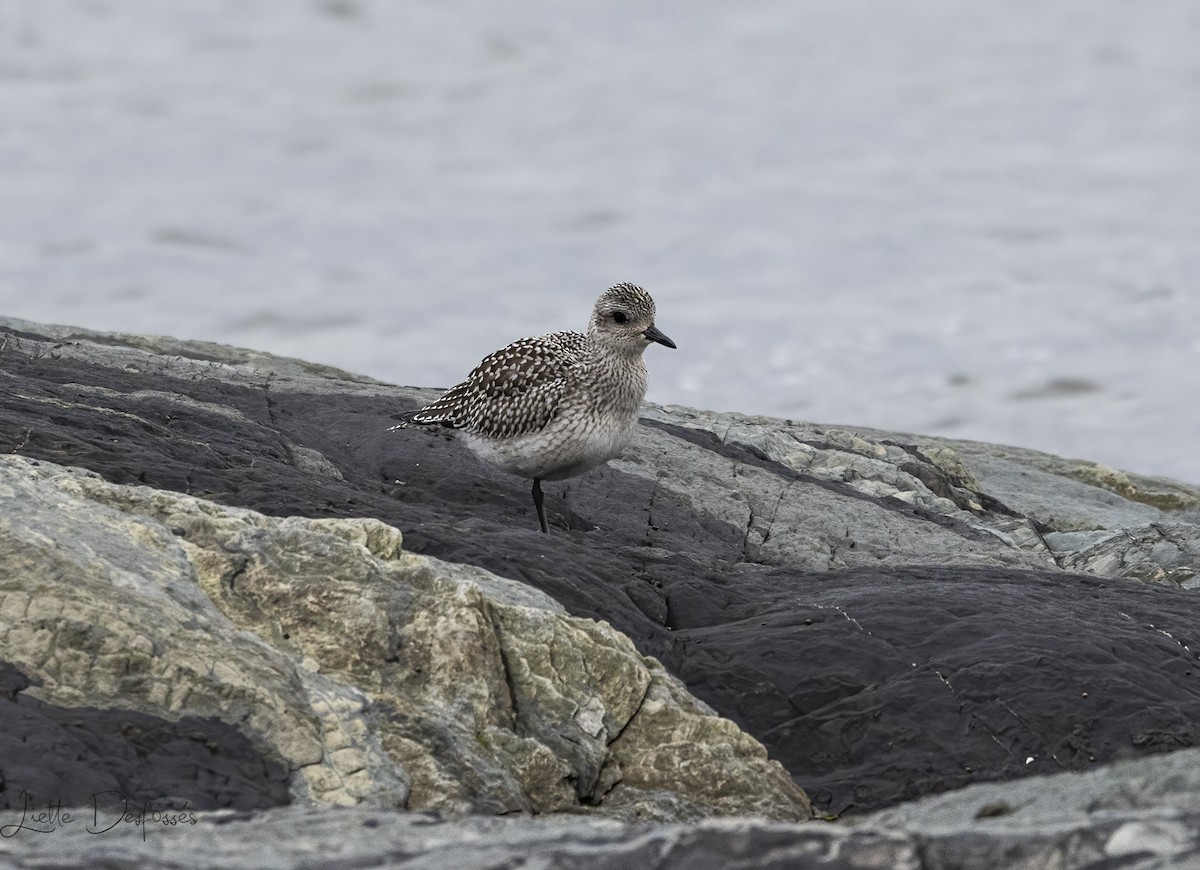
(654, 335)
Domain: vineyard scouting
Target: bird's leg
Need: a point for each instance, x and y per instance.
(537, 503)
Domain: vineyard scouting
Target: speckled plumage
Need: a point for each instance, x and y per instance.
(557, 405)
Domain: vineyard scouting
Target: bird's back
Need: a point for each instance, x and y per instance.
(514, 391)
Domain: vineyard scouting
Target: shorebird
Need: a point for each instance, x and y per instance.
(557, 405)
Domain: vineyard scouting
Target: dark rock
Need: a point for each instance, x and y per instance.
(92, 757)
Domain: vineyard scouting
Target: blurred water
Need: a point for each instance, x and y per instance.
(980, 220)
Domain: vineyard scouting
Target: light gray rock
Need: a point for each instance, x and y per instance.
(1168, 782)
(353, 838)
(869, 508)
(375, 676)
(998, 505)
(1129, 824)
(139, 353)
(1161, 552)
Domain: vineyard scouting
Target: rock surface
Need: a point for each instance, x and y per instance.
(1135, 816)
(358, 673)
(891, 615)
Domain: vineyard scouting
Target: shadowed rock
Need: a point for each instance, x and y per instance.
(109, 758)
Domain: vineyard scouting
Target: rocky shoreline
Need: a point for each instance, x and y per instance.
(227, 585)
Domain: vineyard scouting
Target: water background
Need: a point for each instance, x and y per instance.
(977, 220)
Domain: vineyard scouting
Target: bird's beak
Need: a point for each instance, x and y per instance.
(654, 335)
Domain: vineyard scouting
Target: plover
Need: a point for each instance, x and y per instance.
(560, 404)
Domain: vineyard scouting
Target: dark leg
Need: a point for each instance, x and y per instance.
(537, 503)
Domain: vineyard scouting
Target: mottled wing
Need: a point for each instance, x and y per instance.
(515, 391)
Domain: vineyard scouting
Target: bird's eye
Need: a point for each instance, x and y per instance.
(620, 317)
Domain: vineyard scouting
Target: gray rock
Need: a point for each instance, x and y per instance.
(368, 674)
(1126, 837)
(1028, 503)
(1166, 782)
(1162, 552)
(891, 615)
(351, 838)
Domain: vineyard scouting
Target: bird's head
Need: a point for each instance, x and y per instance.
(623, 320)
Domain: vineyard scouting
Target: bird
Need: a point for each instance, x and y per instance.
(557, 405)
